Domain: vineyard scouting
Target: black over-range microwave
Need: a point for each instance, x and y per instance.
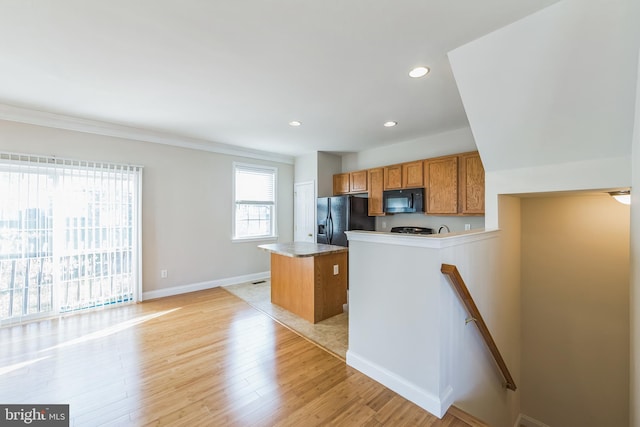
(403, 201)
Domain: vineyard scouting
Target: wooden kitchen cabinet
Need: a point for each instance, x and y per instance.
(308, 279)
(358, 181)
(393, 177)
(441, 179)
(376, 187)
(412, 175)
(349, 183)
(471, 187)
(454, 185)
(404, 175)
(341, 183)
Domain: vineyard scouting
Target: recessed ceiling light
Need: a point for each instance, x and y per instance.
(390, 124)
(295, 123)
(419, 72)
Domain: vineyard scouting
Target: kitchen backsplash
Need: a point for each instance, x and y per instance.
(384, 223)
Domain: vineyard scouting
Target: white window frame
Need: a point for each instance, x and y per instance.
(274, 203)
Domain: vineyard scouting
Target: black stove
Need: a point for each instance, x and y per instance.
(412, 230)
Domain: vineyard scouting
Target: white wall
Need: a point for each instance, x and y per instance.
(320, 168)
(550, 100)
(492, 273)
(186, 203)
(602, 174)
(306, 168)
(328, 165)
(554, 87)
(394, 320)
(452, 142)
(407, 327)
(545, 117)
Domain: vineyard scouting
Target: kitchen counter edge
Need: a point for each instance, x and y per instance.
(422, 240)
(302, 249)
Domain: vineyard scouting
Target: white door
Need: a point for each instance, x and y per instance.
(304, 214)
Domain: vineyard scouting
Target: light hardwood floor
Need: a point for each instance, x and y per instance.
(200, 359)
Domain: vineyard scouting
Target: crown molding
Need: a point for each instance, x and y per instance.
(60, 121)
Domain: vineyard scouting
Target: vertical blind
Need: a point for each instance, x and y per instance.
(69, 235)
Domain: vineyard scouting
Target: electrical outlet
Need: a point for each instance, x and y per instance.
(467, 227)
(163, 274)
(336, 270)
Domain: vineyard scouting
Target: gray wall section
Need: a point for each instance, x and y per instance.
(187, 201)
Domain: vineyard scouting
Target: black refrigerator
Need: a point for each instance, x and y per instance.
(342, 213)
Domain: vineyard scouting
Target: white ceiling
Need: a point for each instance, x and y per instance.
(236, 72)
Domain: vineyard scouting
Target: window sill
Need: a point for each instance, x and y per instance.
(254, 239)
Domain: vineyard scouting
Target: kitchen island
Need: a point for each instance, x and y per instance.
(308, 279)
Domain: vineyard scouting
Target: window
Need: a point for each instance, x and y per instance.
(69, 235)
(255, 201)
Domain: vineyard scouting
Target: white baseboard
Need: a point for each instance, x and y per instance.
(176, 290)
(423, 398)
(526, 421)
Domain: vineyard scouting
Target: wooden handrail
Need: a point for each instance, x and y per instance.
(466, 298)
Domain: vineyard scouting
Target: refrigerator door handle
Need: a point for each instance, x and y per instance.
(329, 222)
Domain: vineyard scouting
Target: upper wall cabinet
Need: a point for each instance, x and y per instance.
(405, 175)
(347, 183)
(441, 178)
(412, 175)
(454, 185)
(393, 177)
(341, 183)
(358, 181)
(471, 188)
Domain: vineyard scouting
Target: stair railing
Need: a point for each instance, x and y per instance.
(467, 300)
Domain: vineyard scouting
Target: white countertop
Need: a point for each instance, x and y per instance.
(422, 240)
(302, 249)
